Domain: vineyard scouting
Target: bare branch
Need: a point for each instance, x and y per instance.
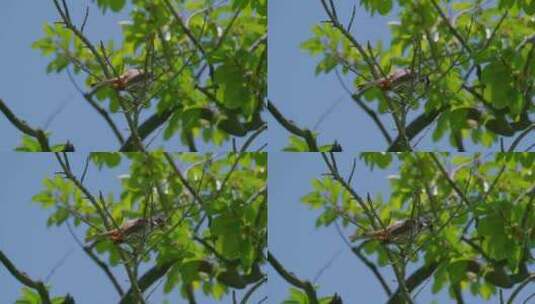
(24, 279)
(25, 128)
(250, 292)
(289, 277)
(413, 281)
(292, 128)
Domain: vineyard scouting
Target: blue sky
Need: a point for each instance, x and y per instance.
(51, 252)
(50, 101)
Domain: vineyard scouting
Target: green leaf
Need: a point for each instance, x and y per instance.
(486, 291)
(29, 296)
(29, 144)
(233, 89)
(296, 297)
(457, 270)
(117, 5)
(372, 159)
(327, 217)
(500, 126)
(529, 7)
(232, 126)
(189, 271)
(296, 144)
(500, 90)
(109, 159)
(384, 7)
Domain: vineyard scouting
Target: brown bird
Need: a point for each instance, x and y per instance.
(398, 232)
(392, 81)
(129, 230)
(128, 79)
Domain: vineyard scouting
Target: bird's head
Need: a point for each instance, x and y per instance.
(158, 220)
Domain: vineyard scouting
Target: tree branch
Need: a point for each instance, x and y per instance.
(356, 97)
(520, 287)
(64, 13)
(413, 281)
(519, 138)
(372, 267)
(98, 262)
(152, 123)
(452, 183)
(452, 29)
(374, 67)
(103, 213)
(25, 128)
(306, 286)
(147, 279)
(22, 277)
(458, 293)
(414, 128)
(100, 110)
(101, 59)
(183, 180)
(191, 37)
(373, 115)
(154, 274)
(250, 292)
(292, 128)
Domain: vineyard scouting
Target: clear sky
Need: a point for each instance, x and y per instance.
(50, 101)
(305, 98)
(51, 252)
(306, 250)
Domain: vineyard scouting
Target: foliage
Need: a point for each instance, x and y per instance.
(296, 144)
(215, 217)
(483, 224)
(298, 297)
(478, 60)
(208, 71)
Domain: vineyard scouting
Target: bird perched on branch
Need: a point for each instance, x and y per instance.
(129, 230)
(398, 232)
(129, 79)
(393, 81)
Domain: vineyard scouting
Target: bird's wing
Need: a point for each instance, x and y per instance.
(133, 225)
(131, 74)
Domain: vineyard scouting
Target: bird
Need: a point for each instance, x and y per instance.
(128, 79)
(392, 81)
(129, 230)
(398, 232)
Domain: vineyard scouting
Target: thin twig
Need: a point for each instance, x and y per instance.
(250, 292)
(98, 262)
(183, 180)
(373, 268)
